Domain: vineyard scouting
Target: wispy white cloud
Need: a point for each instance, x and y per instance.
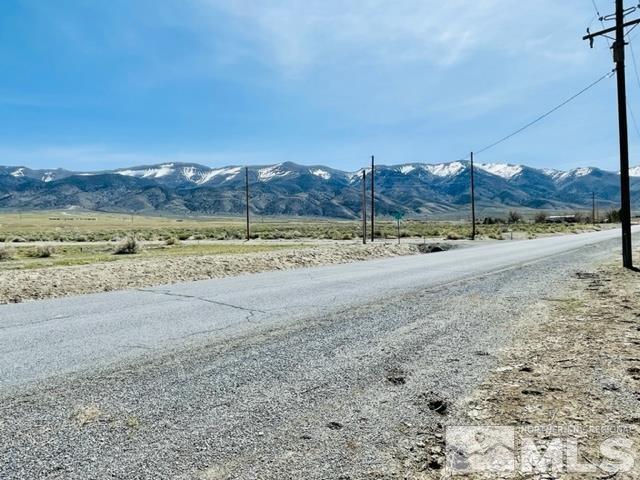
(301, 35)
(384, 61)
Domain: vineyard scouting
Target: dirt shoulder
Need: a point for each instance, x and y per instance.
(568, 388)
(22, 285)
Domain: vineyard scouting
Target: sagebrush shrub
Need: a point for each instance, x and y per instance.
(128, 246)
(6, 253)
(43, 251)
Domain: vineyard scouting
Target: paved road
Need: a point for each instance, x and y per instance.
(320, 373)
(51, 337)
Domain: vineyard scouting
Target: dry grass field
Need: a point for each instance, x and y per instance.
(33, 240)
(78, 226)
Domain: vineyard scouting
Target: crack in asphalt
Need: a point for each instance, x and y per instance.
(38, 322)
(252, 311)
(201, 332)
(133, 347)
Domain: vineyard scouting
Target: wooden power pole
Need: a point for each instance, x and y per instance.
(373, 201)
(473, 202)
(618, 57)
(364, 206)
(246, 194)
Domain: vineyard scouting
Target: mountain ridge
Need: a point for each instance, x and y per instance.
(309, 190)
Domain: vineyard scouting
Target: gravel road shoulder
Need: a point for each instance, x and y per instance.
(574, 378)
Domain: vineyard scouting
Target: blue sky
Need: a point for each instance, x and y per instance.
(93, 84)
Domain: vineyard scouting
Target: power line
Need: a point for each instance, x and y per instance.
(631, 30)
(633, 56)
(635, 65)
(635, 69)
(633, 119)
(545, 115)
(595, 7)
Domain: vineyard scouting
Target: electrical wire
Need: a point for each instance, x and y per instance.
(635, 65)
(546, 114)
(556, 108)
(633, 120)
(630, 30)
(635, 69)
(595, 7)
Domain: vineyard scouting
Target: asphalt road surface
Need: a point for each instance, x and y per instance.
(323, 372)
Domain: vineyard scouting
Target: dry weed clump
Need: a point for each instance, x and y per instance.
(43, 251)
(6, 253)
(128, 246)
(86, 415)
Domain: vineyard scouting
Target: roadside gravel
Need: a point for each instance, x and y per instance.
(575, 377)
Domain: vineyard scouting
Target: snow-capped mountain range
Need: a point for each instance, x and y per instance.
(201, 175)
(293, 189)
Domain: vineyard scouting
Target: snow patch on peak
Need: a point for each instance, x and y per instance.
(582, 171)
(503, 170)
(445, 169)
(318, 172)
(161, 171)
(634, 171)
(353, 177)
(406, 169)
(275, 171)
(18, 173)
(48, 177)
(577, 172)
(228, 172)
(189, 172)
(551, 172)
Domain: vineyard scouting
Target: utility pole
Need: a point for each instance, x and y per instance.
(364, 206)
(593, 208)
(473, 203)
(618, 57)
(246, 194)
(373, 201)
(625, 196)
